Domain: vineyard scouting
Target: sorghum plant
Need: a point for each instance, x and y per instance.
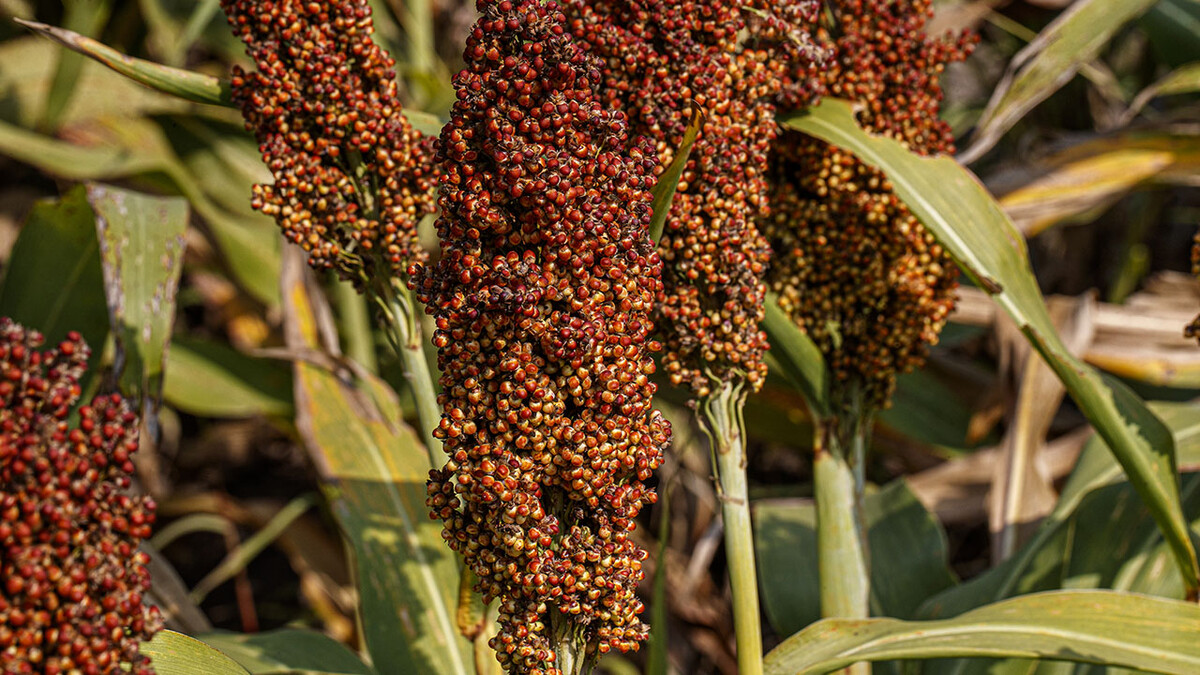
(352, 178)
(73, 577)
(659, 59)
(542, 300)
(853, 267)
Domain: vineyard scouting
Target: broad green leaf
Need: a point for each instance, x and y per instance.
(53, 281)
(1102, 627)
(956, 209)
(925, 408)
(70, 161)
(289, 651)
(122, 148)
(1183, 80)
(664, 189)
(141, 254)
(798, 356)
(374, 469)
(908, 556)
(184, 84)
(210, 379)
(174, 653)
(1038, 565)
(1073, 39)
(1110, 541)
(88, 17)
(27, 71)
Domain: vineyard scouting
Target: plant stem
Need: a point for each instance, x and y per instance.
(722, 420)
(403, 325)
(356, 320)
(841, 541)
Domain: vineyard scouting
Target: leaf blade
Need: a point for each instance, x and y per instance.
(1102, 627)
(375, 469)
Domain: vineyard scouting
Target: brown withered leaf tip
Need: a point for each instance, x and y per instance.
(542, 301)
(74, 580)
(352, 178)
(659, 58)
(853, 267)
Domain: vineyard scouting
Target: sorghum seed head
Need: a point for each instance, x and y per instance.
(352, 178)
(74, 580)
(853, 267)
(659, 59)
(542, 301)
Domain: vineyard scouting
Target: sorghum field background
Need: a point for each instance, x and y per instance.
(728, 339)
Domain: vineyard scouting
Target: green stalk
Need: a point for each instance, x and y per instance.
(403, 328)
(841, 538)
(723, 422)
(356, 322)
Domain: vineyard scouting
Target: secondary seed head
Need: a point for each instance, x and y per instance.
(853, 267)
(352, 178)
(73, 577)
(659, 59)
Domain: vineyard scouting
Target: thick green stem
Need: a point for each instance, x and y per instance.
(841, 539)
(400, 310)
(722, 419)
(356, 323)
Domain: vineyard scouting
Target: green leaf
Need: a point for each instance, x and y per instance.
(375, 470)
(141, 254)
(88, 16)
(53, 282)
(211, 379)
(798, 356)
(69, 161)
(926, 409)
(184, 84)
(289, 651)
(1102, 627)
(28, 69)
(1039, 564)
(664, 189)
(908, 556)
(1050, 61)
(1183, 80)
(1109, 541)
(1172, 27)
(249, 241)
(958, 210)
(173, 653)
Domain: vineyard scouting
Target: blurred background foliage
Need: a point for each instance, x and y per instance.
(988, 483)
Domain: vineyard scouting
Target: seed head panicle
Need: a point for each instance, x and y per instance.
(352, 178)
(659, 59)
(854, 268)
(73, 578)
(542, 301)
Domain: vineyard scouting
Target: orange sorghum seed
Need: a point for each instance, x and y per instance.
(352, 178)
(542, 301)
(660, 57)
(74, 580)
(853, 267)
